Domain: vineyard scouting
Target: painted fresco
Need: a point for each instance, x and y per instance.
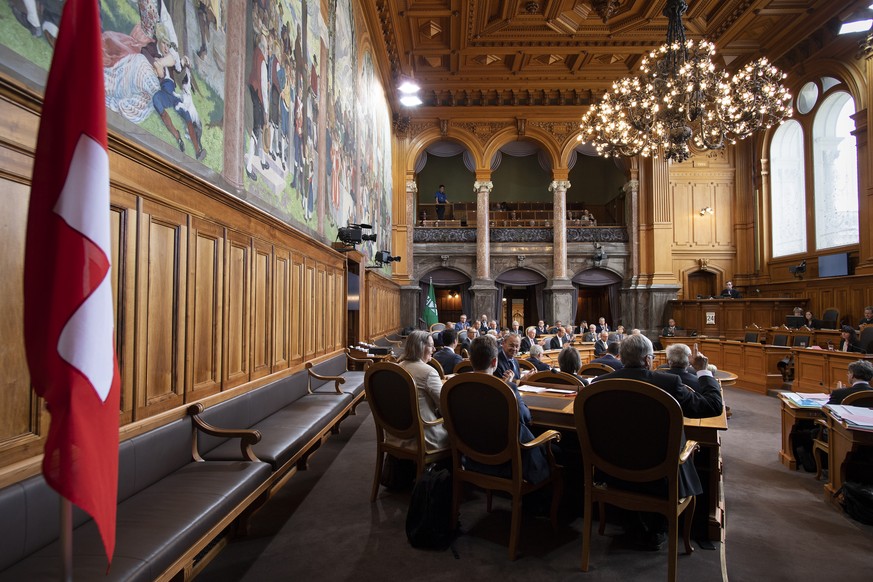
(282, 97)
(163, 65)
(374, 130)
(315, 121)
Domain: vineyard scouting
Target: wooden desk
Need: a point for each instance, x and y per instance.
(842, 441)
(791, 414)
(729, 318)
(817, 370)
(556, 411)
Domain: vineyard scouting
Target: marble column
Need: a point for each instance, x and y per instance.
(483, 289)
(631, 191)
(234, 95)
(411, 197)
(559, 223)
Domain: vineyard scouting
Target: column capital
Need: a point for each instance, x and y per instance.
(480, 185)
(631, 186)
(411, 186)
(559, 185)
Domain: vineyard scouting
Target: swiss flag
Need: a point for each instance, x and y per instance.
(68, 314)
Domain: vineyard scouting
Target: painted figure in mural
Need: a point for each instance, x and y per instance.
(40, 17)
(208, 15)
(256, 91)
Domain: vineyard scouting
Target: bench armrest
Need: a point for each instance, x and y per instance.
(690, 447)
(435, 422)
(549, 435)
(366, 361)
(248, 437)
(338, 379)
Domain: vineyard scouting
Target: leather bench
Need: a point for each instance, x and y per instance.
(170, 507)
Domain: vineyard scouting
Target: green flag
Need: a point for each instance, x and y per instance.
(430, 308)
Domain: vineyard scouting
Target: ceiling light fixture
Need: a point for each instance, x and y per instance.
(679, 96)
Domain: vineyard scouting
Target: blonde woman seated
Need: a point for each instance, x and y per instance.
(419, 350)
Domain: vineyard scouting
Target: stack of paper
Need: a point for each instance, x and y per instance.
(807, 400)
(856, 417)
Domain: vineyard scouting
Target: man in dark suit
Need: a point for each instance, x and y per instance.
(637, 355)
(534, 358)
(610, 358)
(529, 339)
(678, 357)
(860, 374)
(560, 340)
(671, 328)
(462, 325)
(601, 344)
(729, 291)
(506, 361)
(591, 334)
(446, 355)
(602, 325)
(542, 328)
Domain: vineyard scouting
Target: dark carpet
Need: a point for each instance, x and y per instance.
(321, 525)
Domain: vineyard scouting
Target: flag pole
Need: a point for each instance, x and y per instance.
(66, 540)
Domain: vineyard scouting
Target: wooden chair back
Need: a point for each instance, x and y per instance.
(482, 419)
(437, 326)
(595, 369)
(863, 398)
(632, 431)
(463, 366)
(434, 363)
(393, 400)
(525, 364)
(866, 340)
(831, 316)
(552, 378)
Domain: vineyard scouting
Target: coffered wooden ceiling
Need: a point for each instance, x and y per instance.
(564, 52)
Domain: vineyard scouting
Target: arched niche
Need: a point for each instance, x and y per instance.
(451, 290)
(520, 296)
(598, 294)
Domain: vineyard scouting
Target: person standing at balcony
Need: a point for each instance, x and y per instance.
(441, 200)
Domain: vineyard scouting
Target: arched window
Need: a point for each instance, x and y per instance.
(836, 173)
(788, 188)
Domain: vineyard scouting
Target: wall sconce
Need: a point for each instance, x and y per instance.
(706, 210)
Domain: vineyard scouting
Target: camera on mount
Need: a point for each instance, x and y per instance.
(353, 234)
(383, 257)
(798, 270)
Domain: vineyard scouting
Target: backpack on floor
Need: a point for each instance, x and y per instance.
(429, 519)
(858, 501)
(801, 443)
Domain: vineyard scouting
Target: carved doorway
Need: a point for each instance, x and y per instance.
(701, 284)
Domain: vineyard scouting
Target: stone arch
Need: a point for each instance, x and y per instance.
(509, 134)
(431, 135)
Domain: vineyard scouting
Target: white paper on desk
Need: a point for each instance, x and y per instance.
(807, 400)
(854, 415)
(534, 389)
(560, 391)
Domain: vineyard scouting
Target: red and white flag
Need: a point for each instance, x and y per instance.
(68, 312)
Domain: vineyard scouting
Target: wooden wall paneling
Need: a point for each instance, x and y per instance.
(297, 313)
(281, 308)
(123, 221)
(684, 223)
(723, 196)
(320, 296)
(159, 358)
(340, 304)
(205, 308)
(237, 309)
(21, 421)
(307, 304)
(262, 309)
(705, 226)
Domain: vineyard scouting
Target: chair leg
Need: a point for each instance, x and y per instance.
(689, 517)
(516, 526)
(672, 546)
(586, 529)
(378, 476)
(601, 513)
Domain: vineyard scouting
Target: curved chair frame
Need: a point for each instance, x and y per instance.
(482, 419)
(435, 364)
(552, 378)
(525, 365)
(611, 415)
(595, 369)
(463, 366)
(393, 400)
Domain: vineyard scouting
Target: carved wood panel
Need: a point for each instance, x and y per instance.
(205, 308)
(282, 307)
(238, 309)
(262, 300)
(159, 355)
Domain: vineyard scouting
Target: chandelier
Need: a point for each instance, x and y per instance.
(679, 96)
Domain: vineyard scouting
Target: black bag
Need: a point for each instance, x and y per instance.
(801, 444)
(397, 474)
(858, 501)
(429, 519)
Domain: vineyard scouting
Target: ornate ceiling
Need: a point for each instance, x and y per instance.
(494, 53)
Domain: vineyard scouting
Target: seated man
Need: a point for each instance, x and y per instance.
(610, 358)
(536, 351)
(602, 325)
(860, 374)
(729, 291)
(446, 355)
(569, 362)
(535, 464)
(560, 340)
(542, 328)
(462, 324)
(529, 339)
(469, 334)
(671, 328)
(648, 530)
(678, 357)
(868, 316)
(601, 344)
(591, 334)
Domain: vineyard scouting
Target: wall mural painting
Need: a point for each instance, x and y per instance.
(281, 140)
(317, 147)
(374, 131)
(163, 65)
